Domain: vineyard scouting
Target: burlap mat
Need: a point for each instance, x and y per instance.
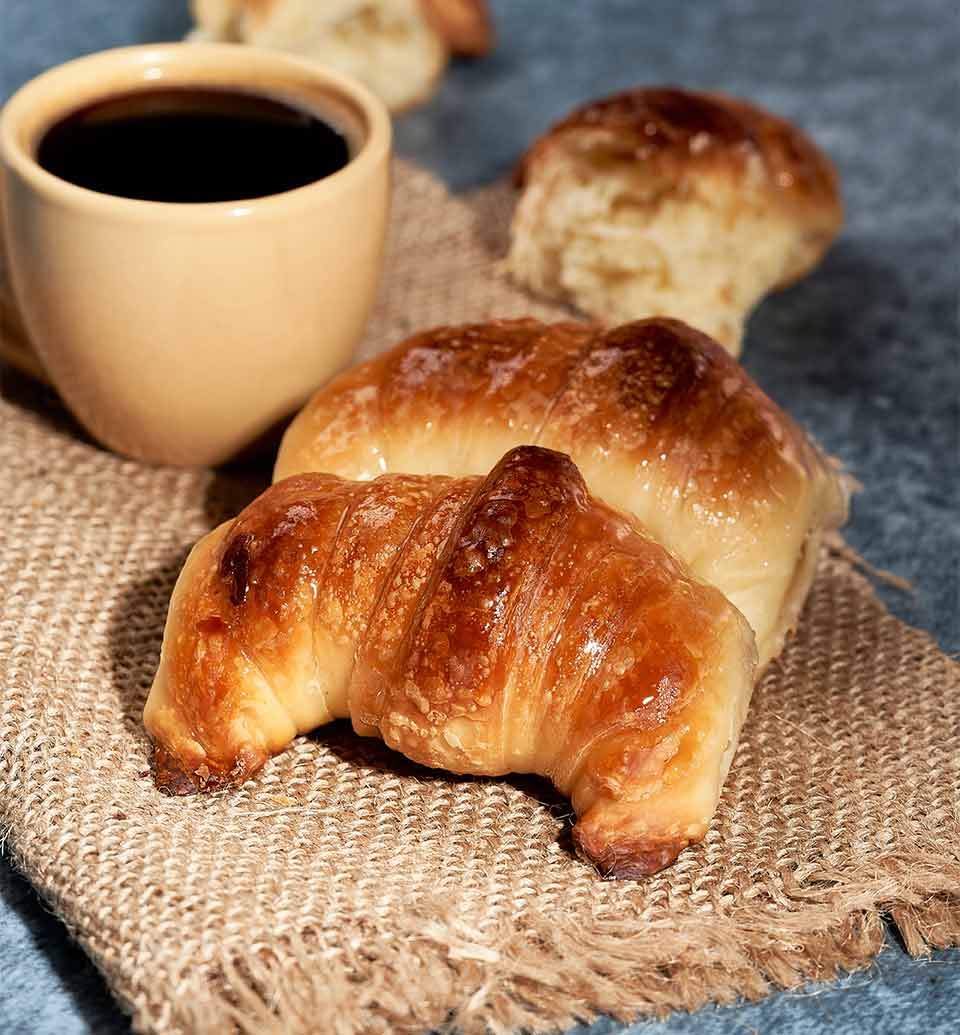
(345, 890)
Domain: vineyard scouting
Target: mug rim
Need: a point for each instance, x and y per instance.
(142, 58)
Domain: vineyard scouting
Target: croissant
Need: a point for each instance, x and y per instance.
(487, 626)
(662, 200)
(661, 421)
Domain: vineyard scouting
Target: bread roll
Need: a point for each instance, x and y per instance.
(668, 202)
(660, 420)
(481, 625)
(399, 48)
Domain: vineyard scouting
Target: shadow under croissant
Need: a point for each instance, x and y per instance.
(372, 754)
(340, 740)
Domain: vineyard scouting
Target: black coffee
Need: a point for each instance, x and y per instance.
(192, 145)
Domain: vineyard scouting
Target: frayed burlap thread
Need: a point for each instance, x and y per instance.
(347, 891)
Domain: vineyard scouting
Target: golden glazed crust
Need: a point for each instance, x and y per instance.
(662, 422)
(686, 132)
(487, 626)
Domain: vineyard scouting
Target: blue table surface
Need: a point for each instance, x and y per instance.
(864, 351)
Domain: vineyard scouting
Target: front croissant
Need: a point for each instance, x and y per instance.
(485, 626)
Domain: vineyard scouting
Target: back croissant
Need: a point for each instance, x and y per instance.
(662, 422)
(487, 626)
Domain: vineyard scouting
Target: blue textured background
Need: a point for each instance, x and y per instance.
(865, 351)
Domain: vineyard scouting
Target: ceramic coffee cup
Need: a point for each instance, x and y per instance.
(180, 333)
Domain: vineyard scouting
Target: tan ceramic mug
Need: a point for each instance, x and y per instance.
(180, 333)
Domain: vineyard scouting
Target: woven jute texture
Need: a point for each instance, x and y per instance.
(344, 890)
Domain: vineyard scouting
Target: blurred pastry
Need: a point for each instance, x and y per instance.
(399, 48)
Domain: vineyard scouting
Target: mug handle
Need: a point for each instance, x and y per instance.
(15, 347)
